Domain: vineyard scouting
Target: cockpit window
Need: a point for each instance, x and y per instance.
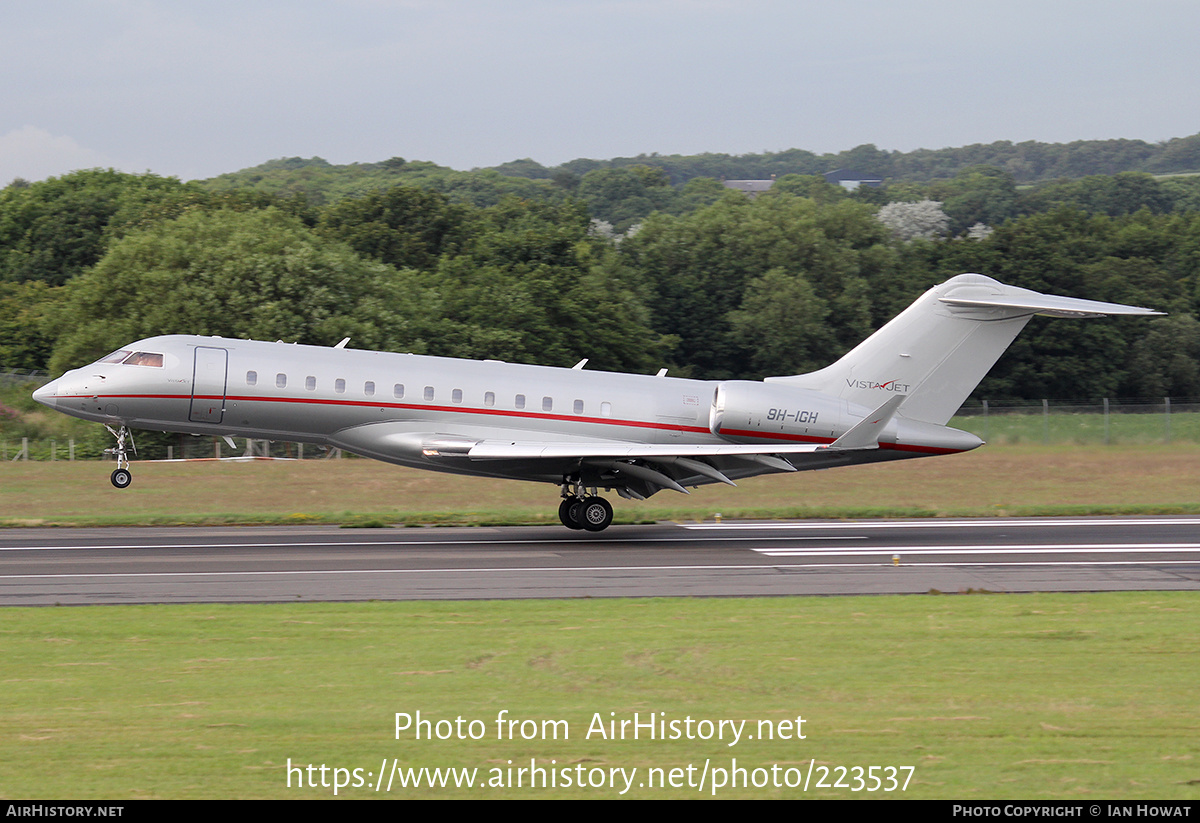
(115, 357)
(144, 358)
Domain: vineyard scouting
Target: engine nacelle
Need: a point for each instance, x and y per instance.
(741, 408)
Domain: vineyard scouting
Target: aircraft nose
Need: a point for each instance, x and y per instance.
(47, 394)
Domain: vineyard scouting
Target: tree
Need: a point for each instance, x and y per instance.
(403, 226)
(258, 274)
(532, 284)
(625, 196)
(979, 194)
(783, 324)
(54, 229)
(813, 186)
(26, 335)
(1113, 195)
(1166, 359)
(700, 267)
(923, 220)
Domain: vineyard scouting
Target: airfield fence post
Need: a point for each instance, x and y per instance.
(23, 454)
(217, 448)
(1167, 417)
(985, 420)
(299, 451)
(1106, 421)
(170, 452)
(53, 450)
(1045, 422)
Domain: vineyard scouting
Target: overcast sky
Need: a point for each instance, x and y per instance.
(195, 88)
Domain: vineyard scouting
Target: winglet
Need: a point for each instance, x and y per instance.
(865, 433)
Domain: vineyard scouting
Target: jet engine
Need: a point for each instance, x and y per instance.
(742, 408)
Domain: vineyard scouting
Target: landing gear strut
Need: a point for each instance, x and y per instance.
(581, 510)
(121, 476)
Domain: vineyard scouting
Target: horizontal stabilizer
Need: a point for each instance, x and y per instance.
(865, 433)
(1047, 304)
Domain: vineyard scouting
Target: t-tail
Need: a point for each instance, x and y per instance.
(938, 349)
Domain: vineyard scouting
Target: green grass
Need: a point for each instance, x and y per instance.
(1076, 697)
(1030, 426)
(1023, 479)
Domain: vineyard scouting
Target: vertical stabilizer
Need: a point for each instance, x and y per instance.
(938, 349)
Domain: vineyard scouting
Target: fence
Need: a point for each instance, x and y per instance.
(185, 448)
(11, 376)
(1165, 420)
(1138, 421)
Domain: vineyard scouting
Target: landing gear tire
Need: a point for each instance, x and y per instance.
(567, 511)
(594, 514)
(121, 476)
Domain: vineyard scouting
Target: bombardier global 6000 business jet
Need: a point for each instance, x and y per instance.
(887, 399)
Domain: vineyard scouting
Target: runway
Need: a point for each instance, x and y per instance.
(296, 564)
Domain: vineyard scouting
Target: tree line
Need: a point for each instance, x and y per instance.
(694, 277)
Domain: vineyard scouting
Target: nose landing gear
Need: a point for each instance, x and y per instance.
(121, 476)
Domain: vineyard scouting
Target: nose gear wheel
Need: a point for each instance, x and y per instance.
(121, 476)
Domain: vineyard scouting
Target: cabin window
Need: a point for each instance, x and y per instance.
(251, 378)
(606, 409)
(429, 392)
(489, 398)
(519, 402)
(281, 381)
(339, 385)
(398, 391)
(369, 388)
(310, 383)
(456, 396)
(578, 409)
(547, 404)
(144, 358)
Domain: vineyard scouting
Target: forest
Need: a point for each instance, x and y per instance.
(635, 263)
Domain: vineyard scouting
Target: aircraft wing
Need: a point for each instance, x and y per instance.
(640, 468)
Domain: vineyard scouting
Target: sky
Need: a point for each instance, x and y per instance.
(197, 88)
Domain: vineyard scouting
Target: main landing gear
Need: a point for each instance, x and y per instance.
(580, 510)
(121, 476)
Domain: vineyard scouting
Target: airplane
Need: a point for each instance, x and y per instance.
(889, 398)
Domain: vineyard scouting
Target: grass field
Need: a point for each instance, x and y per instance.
(1076, 697)
(1030, 426)
(985, 696)
(993, 480)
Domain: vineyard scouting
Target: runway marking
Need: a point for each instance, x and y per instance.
(983, 522)
(384, 543)
(610, 539)
(570, 569)
(1102, 548)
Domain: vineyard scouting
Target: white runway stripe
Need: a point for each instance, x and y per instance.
(908, 551)
(983, 522)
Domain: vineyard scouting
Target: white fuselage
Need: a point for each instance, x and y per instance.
(394, 406)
